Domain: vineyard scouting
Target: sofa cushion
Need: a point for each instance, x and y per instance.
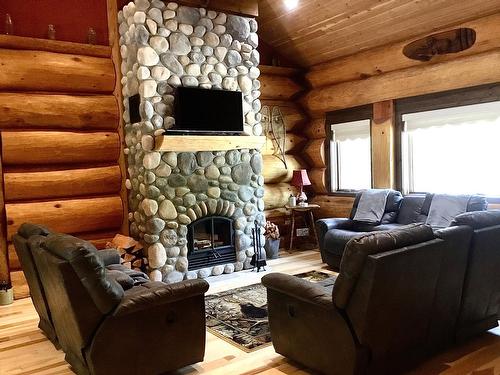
(478, 219)
(125, 281)
(82, 256)
(358, 249)
(411, 209)
(139, 277)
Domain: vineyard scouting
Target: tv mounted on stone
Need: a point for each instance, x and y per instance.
(203, 111)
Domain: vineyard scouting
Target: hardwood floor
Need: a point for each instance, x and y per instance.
(25, 350)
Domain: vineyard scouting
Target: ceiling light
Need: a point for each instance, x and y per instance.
(291, 4)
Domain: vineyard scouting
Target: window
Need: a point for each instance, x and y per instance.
(452, 150)
(351, 155)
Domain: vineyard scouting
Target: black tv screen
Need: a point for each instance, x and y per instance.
(207, 111)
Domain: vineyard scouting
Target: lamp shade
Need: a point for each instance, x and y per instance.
(300, 178)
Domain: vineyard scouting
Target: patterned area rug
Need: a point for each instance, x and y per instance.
(239, 316)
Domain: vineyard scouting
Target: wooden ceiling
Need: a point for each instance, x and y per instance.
(322, 30)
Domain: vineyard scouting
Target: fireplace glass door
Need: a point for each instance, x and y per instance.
(210, 242)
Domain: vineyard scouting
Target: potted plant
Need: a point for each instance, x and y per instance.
(272, 245)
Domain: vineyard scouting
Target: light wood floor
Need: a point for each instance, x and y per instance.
(25, 350)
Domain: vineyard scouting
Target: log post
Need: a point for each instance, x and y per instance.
(382, 137)
(112, 9)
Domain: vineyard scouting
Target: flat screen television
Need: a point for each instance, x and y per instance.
(207, 111)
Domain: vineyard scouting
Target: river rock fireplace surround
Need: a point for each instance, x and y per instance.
(163, 46)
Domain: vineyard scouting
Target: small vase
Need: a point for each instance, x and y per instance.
(272, 248)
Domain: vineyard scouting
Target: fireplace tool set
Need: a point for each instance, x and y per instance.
(257, 260)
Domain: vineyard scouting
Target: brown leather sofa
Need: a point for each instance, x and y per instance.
(480, 307)
(383, 313)
(28, 266)
(110, 324)
(334, 233)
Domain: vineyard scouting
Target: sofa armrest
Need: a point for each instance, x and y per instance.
(109, 256)
(324, 225)
(156, 293)
(298, 288)
(306, 326)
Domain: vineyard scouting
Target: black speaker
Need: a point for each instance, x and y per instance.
(133, 107)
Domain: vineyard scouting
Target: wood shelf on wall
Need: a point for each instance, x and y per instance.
(37, 44)
(194, 143)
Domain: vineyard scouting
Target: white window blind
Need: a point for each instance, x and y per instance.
(453, 150)
(351, 155)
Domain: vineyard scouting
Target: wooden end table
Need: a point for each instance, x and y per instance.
(307, 212)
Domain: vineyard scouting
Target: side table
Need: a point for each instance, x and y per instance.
(307, 212)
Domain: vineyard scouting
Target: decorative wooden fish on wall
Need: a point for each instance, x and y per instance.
(452, 41)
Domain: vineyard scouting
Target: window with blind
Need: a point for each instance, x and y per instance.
(351, 156)
(452, 150)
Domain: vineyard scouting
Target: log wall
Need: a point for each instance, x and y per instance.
(280, 87)
(378, 77)
(60, 145)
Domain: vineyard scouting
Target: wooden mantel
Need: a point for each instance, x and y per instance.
(194, 143)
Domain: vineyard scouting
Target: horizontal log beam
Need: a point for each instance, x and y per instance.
(98, 239)
(62, 183)
(276, 195)
(67, 216)
(462, 72)
(332, 206)
(278, 87)
(57, 72)
(275, 171)
(38, 44)
(293, 143)
(243, 7)
(293, 115)
(280, 71)
(38, 147)
(43, 111)
(389, 58)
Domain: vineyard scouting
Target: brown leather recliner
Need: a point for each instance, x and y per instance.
(379, 316)
(103, 329)
(480, 310)
(28, 266)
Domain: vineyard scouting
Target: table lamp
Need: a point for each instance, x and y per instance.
(301, 179)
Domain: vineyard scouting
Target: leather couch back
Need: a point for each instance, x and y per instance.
(415, 207)
(388, 291)
(391, 206)
(481, 294)
(25, 256)
(359, 249)
(78, 292)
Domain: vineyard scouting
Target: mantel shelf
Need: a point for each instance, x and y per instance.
(194, 143)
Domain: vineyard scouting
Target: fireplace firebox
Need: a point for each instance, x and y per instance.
(210, 242)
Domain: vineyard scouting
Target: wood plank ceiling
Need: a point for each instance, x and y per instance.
(317, 31)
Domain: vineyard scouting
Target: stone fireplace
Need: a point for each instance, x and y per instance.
(177, 198)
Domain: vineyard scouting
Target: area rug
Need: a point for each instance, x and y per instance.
(239, 316)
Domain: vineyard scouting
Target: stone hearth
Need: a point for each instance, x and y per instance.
(164, 45)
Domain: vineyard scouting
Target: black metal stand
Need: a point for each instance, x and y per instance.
(256, 259)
